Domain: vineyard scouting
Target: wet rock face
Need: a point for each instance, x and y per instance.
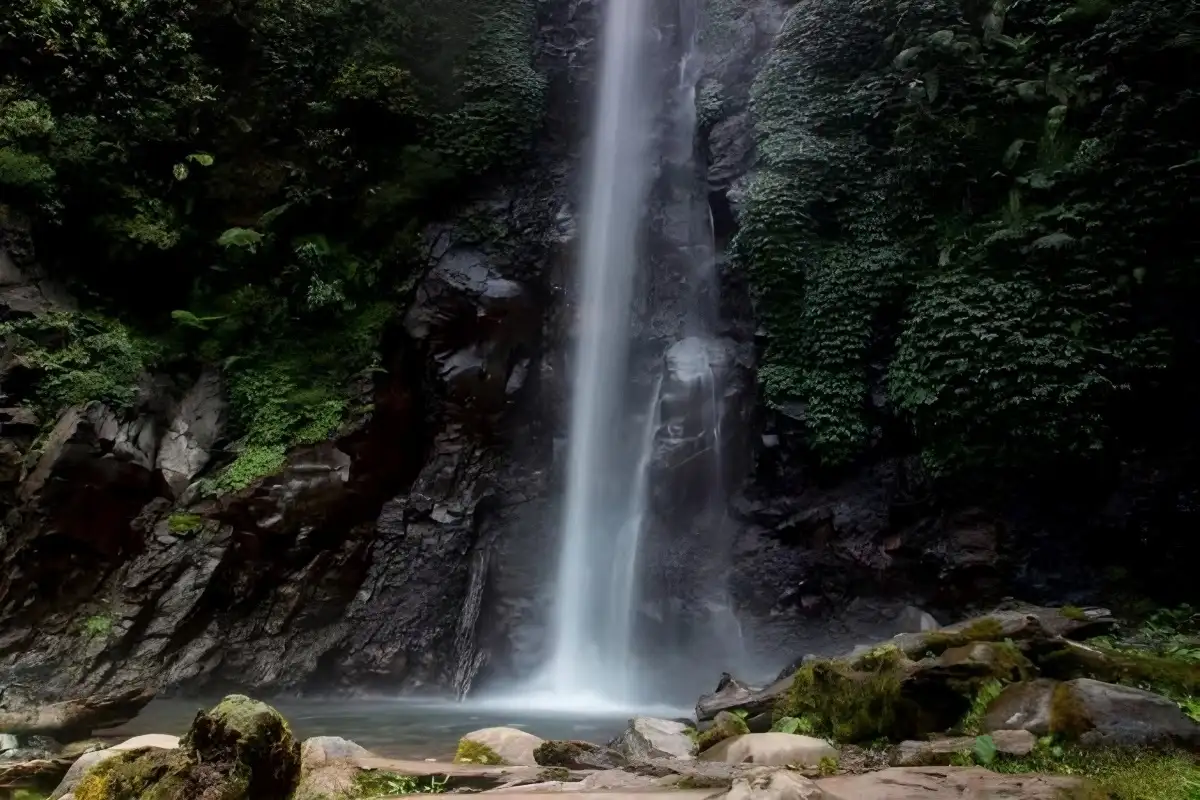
(369, 560)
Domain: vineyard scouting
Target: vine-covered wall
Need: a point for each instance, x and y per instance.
(970, 223)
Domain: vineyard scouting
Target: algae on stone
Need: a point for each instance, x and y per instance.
(724, 726)
(470, 752)
(156, 774)
(1175, 678)
(849, 705)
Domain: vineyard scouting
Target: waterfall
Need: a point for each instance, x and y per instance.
(624, 589)
(611, 457)
(591, 650)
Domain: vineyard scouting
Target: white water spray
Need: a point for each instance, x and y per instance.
(591, 648)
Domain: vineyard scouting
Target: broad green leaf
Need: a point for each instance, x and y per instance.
(985, 749)
(240, 237)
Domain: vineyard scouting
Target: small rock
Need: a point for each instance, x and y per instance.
(771, 749)
(1022, 706)
(760, 723)
(914, 620)
(510, 745)
(318, 751)
(647, 737)
(778, 785)
(328, 780)
(8, 742)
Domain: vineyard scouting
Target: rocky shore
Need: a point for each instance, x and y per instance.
(1025, 702)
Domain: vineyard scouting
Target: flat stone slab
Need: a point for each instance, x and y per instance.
(946, 783)
(475, 776)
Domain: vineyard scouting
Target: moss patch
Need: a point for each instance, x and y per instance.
(554, 774)
(847, 704)
(1067, 716)
(155, 774)
(986, 629)
(1074, 613)
(1175, 678)
(184, 523)
(470, 752)
(1116, 774)
(725, 726)
(972, 723)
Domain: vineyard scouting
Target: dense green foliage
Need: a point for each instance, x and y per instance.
(974, 224)
(245, 183)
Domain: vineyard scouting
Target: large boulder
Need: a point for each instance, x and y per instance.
(498, 746)
(1104, 714)
(254, 737)
(771, 749)
(648, 737)
(1094, 713)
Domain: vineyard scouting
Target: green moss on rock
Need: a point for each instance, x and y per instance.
(1173, 677)
(253, 736)
(985, 629)
(724, 726)
(184, 523)
(470, 752)
(156, 774)
(847, 704)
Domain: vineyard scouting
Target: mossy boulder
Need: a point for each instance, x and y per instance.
(1094, 713)
(253, 736)
(724, 726)
(240, 750)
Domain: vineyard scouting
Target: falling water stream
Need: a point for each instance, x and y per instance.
(589, 659)
(613, 426)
